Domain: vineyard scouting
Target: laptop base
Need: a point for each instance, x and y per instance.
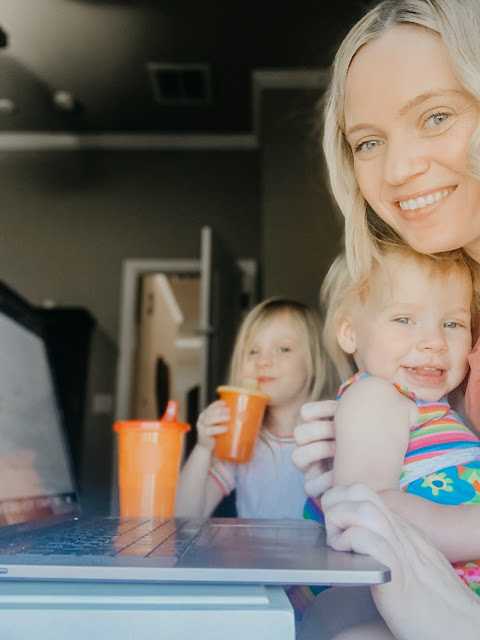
(79, 610)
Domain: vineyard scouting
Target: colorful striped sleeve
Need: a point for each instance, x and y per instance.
(223, 478)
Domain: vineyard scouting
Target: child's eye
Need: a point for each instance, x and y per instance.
(284, 349)
(403, 320)
(451, 325)
(253, 352)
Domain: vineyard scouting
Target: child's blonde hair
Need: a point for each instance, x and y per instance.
(308, 322)
(340, 293)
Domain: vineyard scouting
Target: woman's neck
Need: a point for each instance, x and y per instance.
(282, 420)
(473, 250)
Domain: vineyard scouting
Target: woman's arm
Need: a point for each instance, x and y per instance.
(425, 598)
(453, 529)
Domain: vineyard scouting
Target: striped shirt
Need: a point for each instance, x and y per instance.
(438, 439)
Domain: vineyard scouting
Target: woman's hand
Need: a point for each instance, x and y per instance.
(425, 598)
(315, 440)
(210, 423)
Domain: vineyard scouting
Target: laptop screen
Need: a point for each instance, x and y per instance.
(35, 475)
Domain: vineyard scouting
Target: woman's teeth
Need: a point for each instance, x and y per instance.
(419, 203)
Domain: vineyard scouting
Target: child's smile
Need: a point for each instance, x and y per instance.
(278, 359)
(413, 328)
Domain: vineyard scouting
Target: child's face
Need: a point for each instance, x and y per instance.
(277, 357)
(413, 329)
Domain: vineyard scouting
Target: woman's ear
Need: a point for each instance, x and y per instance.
(346, 335)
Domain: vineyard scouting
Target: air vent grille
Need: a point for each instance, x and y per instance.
(180, 84)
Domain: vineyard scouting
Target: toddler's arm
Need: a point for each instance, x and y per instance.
(372, 424)
(198, 493)
(372, 429)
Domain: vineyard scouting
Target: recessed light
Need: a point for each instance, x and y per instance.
(7, 107)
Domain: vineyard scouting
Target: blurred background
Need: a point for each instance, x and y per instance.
(127, 127)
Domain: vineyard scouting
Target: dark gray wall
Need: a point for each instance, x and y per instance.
(301, 230)
(68, 219)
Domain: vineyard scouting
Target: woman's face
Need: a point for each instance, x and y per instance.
(409, 123)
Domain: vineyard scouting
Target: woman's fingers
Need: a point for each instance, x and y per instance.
(303, 457)
(366, 541)
(315, 441)
(309, 432)
(316, 485)
(323, 410)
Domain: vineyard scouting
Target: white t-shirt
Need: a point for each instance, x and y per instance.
(269, 486)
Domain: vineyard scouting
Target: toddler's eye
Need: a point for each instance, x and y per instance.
(253, 352)
(451, 325)
(403, 320)
(284, 349)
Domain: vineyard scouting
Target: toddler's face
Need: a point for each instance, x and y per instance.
(277, 357)
(413, 328)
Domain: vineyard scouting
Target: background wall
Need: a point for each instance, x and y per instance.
(302, 230)
(69, 218)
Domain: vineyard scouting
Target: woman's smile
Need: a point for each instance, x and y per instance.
(412, 203)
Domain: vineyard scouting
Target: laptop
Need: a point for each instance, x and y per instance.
(43, 535)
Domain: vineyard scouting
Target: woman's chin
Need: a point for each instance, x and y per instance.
(432, 244)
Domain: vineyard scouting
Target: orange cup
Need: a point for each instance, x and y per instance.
(247, 408)
(149, 455)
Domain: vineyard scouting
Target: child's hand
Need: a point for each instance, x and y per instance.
(211, 422)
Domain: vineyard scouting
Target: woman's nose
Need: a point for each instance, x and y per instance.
(405, 159)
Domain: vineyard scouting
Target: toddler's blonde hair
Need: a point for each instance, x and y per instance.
(340, 293)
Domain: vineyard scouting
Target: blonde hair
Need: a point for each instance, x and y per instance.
(457, 22)
(340, 293)
(308, 321)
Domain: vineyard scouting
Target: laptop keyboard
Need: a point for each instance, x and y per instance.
(108, 537)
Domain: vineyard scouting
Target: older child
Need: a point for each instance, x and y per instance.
(279, 345)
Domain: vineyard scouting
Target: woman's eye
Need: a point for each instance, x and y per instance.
(368, 145)
(436, 118)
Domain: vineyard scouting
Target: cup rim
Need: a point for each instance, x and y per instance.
(150, 425)
(251, 392)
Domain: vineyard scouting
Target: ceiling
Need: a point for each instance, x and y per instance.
(98, 50)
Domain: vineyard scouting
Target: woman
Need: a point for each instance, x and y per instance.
(402, 146)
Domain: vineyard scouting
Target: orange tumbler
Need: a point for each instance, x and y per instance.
(149, 455)
(247, 408)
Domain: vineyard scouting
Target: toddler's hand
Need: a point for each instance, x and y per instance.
(211, 422)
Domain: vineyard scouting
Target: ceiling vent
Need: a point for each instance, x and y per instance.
(180, 84)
